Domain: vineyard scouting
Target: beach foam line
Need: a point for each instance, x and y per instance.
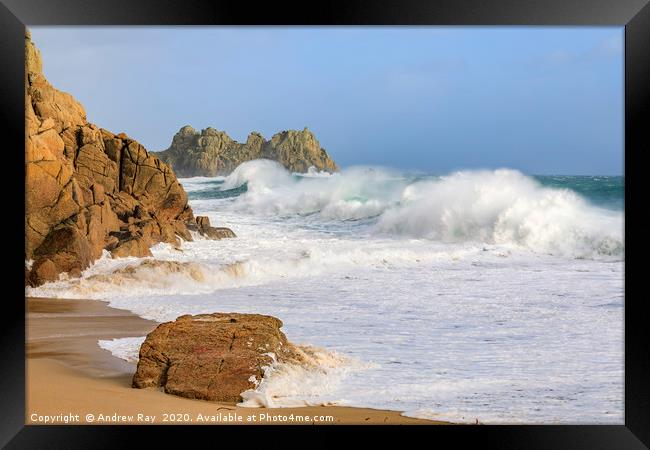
(127, 349)
(308, 380)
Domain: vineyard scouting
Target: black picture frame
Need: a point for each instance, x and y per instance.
(633, 14)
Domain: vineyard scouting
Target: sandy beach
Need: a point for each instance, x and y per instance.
(70, 379)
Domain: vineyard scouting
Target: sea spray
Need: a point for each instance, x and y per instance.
(308, 381)
(505, 207)
(353, 194)
(133, 277)
(496, 207)
(260, 174)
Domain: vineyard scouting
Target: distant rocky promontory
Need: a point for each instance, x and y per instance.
(211, 152)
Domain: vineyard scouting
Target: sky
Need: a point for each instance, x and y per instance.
(542, 100)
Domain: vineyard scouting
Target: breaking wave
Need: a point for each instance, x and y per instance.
(132, 277)
(506, 207)
(496, 207)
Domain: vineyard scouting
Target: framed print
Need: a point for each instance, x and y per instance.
(359, 214)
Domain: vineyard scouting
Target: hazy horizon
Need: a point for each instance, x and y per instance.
(541, 100)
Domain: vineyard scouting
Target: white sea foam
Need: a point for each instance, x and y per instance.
(206, 266)
(127, 348)
(356, 193)
(495, 207)
(504, 207)
(132, 277)
(313, 172)
(260, 174)
(312, 381)
(501, 340)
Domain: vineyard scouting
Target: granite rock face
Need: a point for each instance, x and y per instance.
(212, 152)
(215, 233)
(88, 190)
(211, 356)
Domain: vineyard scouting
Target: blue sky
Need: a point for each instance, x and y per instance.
(543, 100)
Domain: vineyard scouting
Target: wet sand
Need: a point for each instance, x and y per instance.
(70, 379)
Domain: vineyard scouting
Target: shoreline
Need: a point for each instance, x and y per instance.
(69, 378)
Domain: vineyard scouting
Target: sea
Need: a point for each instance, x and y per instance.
(487, 296)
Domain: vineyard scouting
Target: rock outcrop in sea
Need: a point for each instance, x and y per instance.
(88, 190)
(211, 152)
(212, 356)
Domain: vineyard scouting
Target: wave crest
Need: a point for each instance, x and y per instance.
(505, 207)
(142, 278)
(259, 174)
(497, 207)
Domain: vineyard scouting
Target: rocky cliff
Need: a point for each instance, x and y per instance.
(212, 152)
(88, 190)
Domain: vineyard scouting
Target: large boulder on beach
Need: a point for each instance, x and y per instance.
(211, 356)
(89, 190)
(211, 152)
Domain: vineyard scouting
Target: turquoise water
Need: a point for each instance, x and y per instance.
(604, 191)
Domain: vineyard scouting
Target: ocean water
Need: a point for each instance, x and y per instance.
(476, 295)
